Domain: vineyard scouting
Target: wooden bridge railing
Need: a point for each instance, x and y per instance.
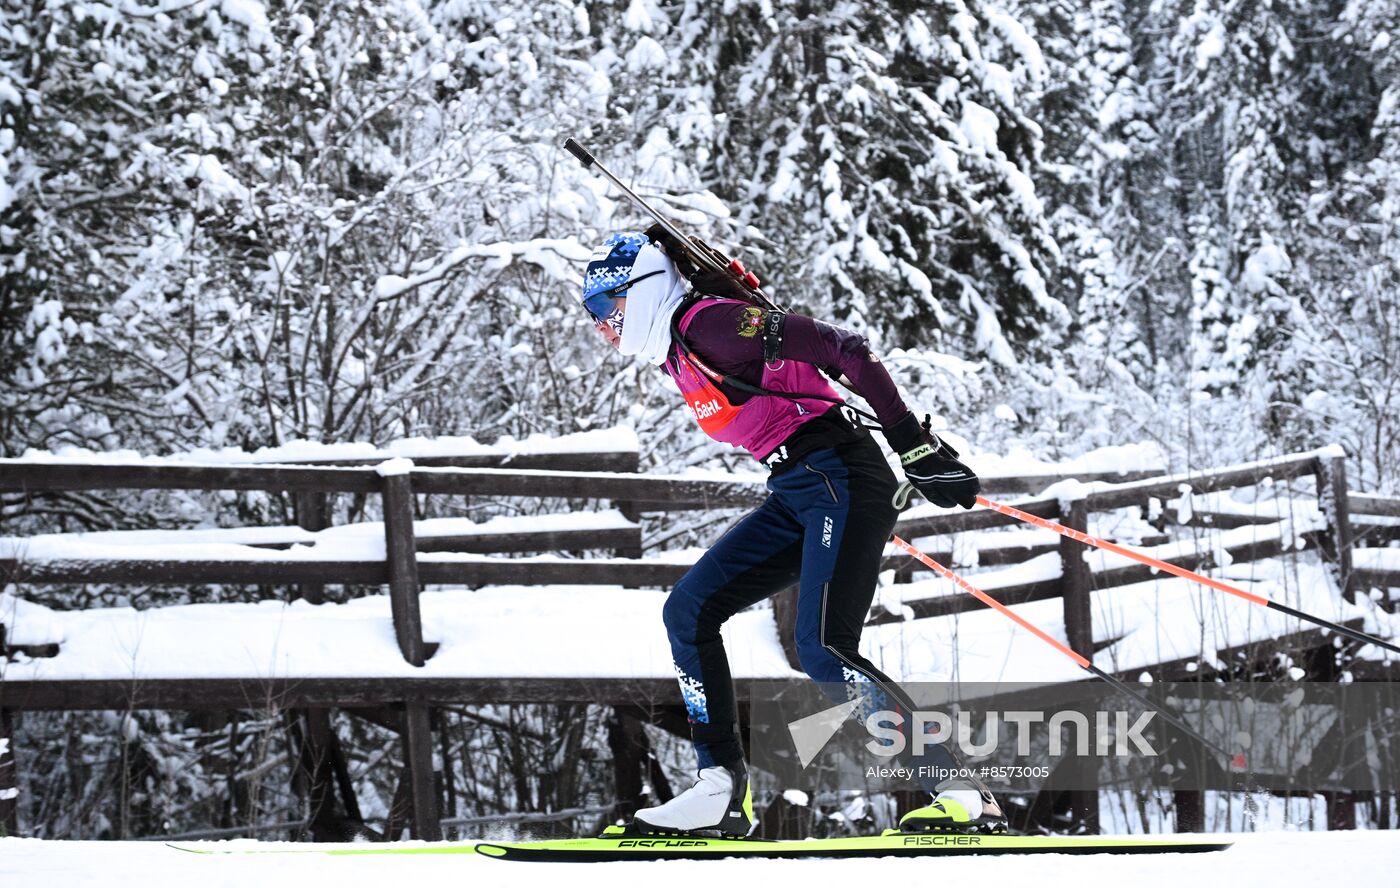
(404, 568)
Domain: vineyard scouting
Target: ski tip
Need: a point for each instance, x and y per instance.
(491, 850)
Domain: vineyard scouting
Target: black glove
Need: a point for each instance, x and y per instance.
(931, 465)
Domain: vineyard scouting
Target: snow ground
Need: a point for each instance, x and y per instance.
(1257, 859)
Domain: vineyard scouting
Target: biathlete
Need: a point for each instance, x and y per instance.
(751, 379)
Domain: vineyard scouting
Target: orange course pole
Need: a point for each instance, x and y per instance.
(1182, 572)
(1237, 760)
(991, 602)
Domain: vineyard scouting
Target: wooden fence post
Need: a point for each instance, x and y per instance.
(314, 738)
(9, 774)
(627, 741)
(1354, 730)
(310, 507)
(1189, 806)
(400, 806)
(631, 511)
(1075, 582)
(402, 555)
(1333, 499)
(320, 770)
(418, 742)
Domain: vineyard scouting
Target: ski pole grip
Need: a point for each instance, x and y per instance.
(577, 151)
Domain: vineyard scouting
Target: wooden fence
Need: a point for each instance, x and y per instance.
(406, 704)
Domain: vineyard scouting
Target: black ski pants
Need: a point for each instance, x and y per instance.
(824, 527)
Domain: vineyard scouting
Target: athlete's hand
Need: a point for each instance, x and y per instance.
(931, 465)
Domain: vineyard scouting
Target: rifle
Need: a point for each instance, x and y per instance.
(701, 257)
(691, 249)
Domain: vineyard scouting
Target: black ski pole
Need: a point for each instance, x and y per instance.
(1177, 570)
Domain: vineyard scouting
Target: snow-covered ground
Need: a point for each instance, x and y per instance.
(1259, 859)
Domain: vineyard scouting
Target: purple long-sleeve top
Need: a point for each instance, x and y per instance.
(726, 335)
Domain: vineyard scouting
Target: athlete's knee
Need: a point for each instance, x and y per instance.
(680, 614)
(818, 661)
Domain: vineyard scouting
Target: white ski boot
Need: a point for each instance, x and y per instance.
(720, 801)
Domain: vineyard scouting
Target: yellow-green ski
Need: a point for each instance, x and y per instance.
(891, 844)
(679, 847)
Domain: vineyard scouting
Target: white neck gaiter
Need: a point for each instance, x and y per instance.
(646, 328)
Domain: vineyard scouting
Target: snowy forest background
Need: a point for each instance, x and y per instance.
(1064, 224)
